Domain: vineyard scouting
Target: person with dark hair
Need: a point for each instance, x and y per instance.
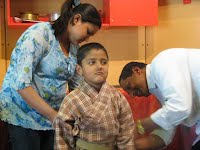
(94, 116)
(42, 65)
(174, 78)
(143, 107)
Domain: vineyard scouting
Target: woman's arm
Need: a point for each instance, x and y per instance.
(35, 101)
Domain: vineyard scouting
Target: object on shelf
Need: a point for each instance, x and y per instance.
(29, 16)
(53, 16)
(17, 19)
(31, 21)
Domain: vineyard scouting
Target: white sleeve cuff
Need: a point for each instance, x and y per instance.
(165, 135)
(160, 119)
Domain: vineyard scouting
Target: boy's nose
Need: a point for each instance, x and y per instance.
(99, 65)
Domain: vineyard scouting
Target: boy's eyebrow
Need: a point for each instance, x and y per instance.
(91, 58)
(104, 59)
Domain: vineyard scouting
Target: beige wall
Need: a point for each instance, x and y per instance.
(178, 27)
(123, 44)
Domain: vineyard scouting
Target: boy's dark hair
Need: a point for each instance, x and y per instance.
(86, 48)
(127, 70)
(87, 11)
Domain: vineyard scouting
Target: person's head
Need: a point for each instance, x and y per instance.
(92, 61)
(77, 22)
(133, 79)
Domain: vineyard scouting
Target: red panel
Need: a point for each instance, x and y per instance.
(106, 9)
(133, 12)
(187, 1)
(8, 10)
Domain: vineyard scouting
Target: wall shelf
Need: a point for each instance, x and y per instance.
(116, 13)
(12, 23)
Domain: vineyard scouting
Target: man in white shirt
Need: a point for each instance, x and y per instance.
(174, 78)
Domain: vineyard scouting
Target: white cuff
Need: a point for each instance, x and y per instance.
(165, 135)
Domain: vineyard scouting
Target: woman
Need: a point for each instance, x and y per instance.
(42, 64)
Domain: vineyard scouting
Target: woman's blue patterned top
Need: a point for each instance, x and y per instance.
(37, 61)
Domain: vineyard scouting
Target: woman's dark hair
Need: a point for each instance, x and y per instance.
(68, 10)
(127, 70)
(86, 48)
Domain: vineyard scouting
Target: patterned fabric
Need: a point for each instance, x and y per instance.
(103, 118)
(37, 61)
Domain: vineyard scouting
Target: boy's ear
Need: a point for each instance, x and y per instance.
(79, 70)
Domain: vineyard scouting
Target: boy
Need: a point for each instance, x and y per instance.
(95, 115)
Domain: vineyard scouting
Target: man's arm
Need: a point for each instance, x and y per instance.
(151, 142)
(159, 138)
(149, 125)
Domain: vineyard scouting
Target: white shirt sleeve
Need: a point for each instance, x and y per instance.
(173, 82)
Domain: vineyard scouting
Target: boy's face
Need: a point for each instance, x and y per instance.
(94, 68)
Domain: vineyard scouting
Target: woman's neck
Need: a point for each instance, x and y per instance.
(64, 44)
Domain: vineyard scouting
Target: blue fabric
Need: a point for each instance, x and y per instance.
(37, 61)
